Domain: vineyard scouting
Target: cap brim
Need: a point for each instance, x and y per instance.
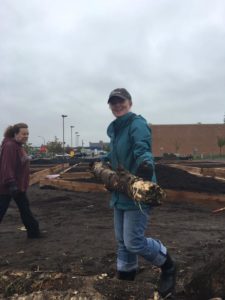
(117, 96)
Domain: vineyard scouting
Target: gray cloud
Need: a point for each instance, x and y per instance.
(65, 57)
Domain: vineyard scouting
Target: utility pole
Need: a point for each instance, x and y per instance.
(71, 127)
(76, 134)
(78, 140)
(63, 116)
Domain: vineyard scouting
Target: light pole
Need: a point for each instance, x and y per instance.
(77, 138)
(71, 127)
(63, 116)
(42, 139)
(76, 133)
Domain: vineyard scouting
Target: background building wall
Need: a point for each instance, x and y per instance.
(187, 139)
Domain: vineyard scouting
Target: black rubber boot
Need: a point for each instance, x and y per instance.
(130, 276)
(167, 281)
(34, 234)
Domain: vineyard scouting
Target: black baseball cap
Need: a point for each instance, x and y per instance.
(120, 93)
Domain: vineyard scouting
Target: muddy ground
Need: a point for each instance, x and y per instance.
(76, 258)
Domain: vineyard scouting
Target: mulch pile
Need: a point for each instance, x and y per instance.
(172, 178)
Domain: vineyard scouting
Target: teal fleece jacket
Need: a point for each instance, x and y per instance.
(130, 145)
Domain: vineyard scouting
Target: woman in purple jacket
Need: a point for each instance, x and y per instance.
(14, 176)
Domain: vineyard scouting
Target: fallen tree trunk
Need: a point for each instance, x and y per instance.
(133, 186)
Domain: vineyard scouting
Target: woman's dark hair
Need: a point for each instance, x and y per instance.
(14, 129)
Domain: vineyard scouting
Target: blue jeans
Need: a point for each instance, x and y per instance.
(130, 228)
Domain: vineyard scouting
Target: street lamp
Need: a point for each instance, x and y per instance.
(77, 138)
(71, 127)
(63, 116)
(42, 138)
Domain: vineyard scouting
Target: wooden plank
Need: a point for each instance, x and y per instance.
(37, 169)
(72, 186)
(193, 196)
(214, 172)
(78, 175)
(37, 176)
(192, 170)
(217, 173)
(218, 210)
(43, 166)
(95, 187)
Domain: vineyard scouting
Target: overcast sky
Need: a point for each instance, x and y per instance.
(65, 56)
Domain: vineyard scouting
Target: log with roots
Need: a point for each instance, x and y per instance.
(133, 186)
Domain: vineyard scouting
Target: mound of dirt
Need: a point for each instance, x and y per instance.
(209, 281)
(172, 178)
(79, 247)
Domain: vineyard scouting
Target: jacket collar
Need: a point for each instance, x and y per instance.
(12, 140)
(118, 123)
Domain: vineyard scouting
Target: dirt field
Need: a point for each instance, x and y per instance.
(76, 259)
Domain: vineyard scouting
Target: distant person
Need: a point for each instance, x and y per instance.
(14, 176)
(130, 148)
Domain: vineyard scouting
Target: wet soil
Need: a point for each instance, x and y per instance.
(77, 256)
(209, 280)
